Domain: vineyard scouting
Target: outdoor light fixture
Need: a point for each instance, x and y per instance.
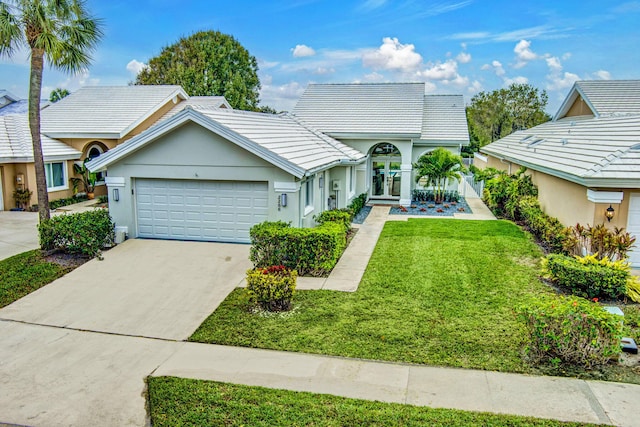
(116, 195)
(609, 213)
(321, 182)
(283, 200)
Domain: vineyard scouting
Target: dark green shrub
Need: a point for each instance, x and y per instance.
(430, 196)
(358, 203)
(549, 230)
(598, 240)
(309, 251)
(588, 276)
(271, 288)
(503, 192)
(55, 204)
(341, 216)
(571, 331)
(103, 199)
(83, 233)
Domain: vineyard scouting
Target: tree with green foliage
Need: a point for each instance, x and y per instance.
(494, 115)
(60, 31)
(57, 94)
(207, 63)
(439, 167)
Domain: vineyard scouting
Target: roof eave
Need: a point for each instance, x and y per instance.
(82, 135)
(373, 135)
(442, 142)
(178, 92)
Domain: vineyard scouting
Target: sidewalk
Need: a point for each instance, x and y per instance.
(564, 399)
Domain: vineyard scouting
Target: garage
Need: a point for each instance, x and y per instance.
(220, 211)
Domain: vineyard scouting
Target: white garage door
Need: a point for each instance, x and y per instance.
(633, 227)
(221, 211)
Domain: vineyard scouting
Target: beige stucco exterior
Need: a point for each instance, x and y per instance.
(567, 200)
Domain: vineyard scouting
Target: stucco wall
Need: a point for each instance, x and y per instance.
(192, 152)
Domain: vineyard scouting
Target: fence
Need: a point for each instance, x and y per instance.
(469, 188)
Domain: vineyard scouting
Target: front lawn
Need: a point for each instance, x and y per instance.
(24, 273)
(436, 291)
(186, 402)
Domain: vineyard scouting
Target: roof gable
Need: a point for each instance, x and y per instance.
(602, 98)
(278, 139)
(106, 111)
(376, 108)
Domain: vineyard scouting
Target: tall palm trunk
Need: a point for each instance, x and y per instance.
(35, 90)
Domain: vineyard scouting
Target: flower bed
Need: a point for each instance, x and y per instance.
(432, 209)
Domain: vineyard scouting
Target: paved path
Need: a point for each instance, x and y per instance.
(18, 233)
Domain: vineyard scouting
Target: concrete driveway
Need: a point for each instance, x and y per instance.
(148, 288)
(18, 232)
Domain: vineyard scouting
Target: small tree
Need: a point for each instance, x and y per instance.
(439, 167)
(57, 94)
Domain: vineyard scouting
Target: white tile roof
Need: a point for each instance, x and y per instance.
(281, 139)
(105, 111)
(371, 109)
(197, 102)
(601, 151)
(604, 97)
(16, 145)
(444, 118)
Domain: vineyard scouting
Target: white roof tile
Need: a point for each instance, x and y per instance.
(16, 145)
(378, 108)
(612, 96)
(444, 118)
(105, 111)
(592, 151)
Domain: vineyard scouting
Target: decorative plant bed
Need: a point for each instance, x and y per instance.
(362, 215)
(432, 209)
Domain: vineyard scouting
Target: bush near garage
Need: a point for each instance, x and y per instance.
(85, 233)
(341, 216)
(571, 331)
(309, 251)
(358, 203)
(271, 288)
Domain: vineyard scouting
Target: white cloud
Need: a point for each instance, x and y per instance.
(373, 77)
(562, 81)
(447, 70)
(134, 67)
(323, 70)
(521, 80)
(475, 87)
(393, 55)
(496, 67)
(464, 57)
(265, 65)
(524, 54)
(281, 97)
(602, 75)
(301, 51)
(554, 64)
(430, 87)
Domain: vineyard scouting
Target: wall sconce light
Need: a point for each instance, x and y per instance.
(609, 213)
(321, 182)
(283, 200)
(116, 195)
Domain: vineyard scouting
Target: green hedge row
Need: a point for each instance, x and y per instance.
(548, 229)
(83, 233)
(58, 203)
(358, 203)
(309, 251)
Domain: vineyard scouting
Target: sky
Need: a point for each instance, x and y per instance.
(454, 46)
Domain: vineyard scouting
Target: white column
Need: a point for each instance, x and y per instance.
(405, 187)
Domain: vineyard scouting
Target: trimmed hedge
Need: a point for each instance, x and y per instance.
(546, 228)
(309, 251)
(571, 331)
(342, 216)
(587, 276)
(83, 233)
(58, 203)
(358, 203)
(271, 288)
(430, 196)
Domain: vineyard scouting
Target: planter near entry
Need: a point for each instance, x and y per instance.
(91, 196)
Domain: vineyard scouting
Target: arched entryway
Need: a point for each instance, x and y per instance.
(386, 178)
(93, 150)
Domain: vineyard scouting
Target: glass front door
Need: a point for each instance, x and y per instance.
(386, 178)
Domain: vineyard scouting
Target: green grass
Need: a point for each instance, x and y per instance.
(438, 292)
(24, 273)
(184, 402)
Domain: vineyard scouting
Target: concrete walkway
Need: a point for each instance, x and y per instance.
(18, 233)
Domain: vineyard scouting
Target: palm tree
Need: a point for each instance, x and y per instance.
(63, 33)
(439, 167)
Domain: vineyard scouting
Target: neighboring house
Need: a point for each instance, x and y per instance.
(585, 159)
(210, 174)
(11, 104)
(393, 123)
(204, 173)
(89, 122)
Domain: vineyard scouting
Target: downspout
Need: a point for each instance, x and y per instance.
(509, 163)
(300, 211)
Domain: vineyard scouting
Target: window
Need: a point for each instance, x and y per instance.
(308, 196)
(95, 151)
(56, 176)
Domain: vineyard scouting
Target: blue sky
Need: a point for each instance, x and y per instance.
(455, 46)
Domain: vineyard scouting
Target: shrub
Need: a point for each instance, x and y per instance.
(430, 196)
(58, 203)
(103, 199)
(548, 229)
(309, 251)
(272, 288)
(588, 276)
(633, 289)
(83, 233)
(598, 240)
(503, 192)
(340, 216)
(571, 331)
(358, 203)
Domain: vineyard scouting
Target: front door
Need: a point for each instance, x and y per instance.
(386, 178)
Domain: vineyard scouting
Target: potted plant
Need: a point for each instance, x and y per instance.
(87, 179)
(22, 197)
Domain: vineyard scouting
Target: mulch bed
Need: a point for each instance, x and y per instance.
(65, 260)
(432, 209)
